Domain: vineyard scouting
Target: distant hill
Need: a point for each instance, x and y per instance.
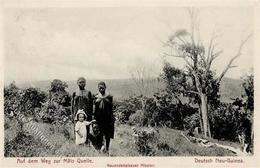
(230, 88)
(119, 88)
(123, 88)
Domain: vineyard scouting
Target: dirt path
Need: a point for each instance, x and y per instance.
(207, 143)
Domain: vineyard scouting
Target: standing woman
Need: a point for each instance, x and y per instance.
(103, 113)
(82, 100)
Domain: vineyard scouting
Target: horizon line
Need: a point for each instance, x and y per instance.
(93, 79)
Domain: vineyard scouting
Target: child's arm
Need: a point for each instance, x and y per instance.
(77, 130)
(89, 122)
(81, 136)
(92, 121)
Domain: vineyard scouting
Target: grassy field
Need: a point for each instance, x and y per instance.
(170, 143)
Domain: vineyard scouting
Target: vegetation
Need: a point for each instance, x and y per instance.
(169, 143)
(151, 120)
(165, 112)
(198, 59)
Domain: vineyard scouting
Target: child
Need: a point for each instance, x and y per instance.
(81, 127)
(96, 137)
(82, 99)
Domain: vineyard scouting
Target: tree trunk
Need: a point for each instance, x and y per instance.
(181, 115)
(204, 112)
(201, 125)
(209, 130)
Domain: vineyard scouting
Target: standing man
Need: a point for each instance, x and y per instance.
(103, 113)
(82, 100)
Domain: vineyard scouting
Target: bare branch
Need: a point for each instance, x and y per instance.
(198, 32)
(168, 44)
(212, 58)
(215, 44)
(193, 17)
(211, 45)
(202, 56)
(171, 55)
(179, 56)
(215, 55)
(193, 92)
(229, 65)
(182, 40)
(197, 82)
(233, 66)
(187, 62)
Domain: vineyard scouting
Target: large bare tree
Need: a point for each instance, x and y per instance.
(198, 59)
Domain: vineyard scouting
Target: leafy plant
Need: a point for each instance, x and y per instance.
(125, 108)
(144, 140)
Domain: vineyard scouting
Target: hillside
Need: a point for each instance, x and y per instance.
(169, 143)
(119, 88)
(230, 88)
(123, 88)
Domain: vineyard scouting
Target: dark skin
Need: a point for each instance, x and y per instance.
(98, 143)
(102, 90)
(81, 84)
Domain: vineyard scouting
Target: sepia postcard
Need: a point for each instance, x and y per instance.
(130, 84)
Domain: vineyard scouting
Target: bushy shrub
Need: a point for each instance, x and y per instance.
(56, 110)
(22, 146)
(24, 101)
(162, 109)
(192, 121)
(228, 120)
(32, 102)
(145, 140)
(125, 108)
(58, 93)
(232, 119)
(145, 116)
(12, 99)
(137, 118)
(172, 110)
(55, 114)
(32, 99)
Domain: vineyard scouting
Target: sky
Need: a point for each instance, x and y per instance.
(112, 42)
